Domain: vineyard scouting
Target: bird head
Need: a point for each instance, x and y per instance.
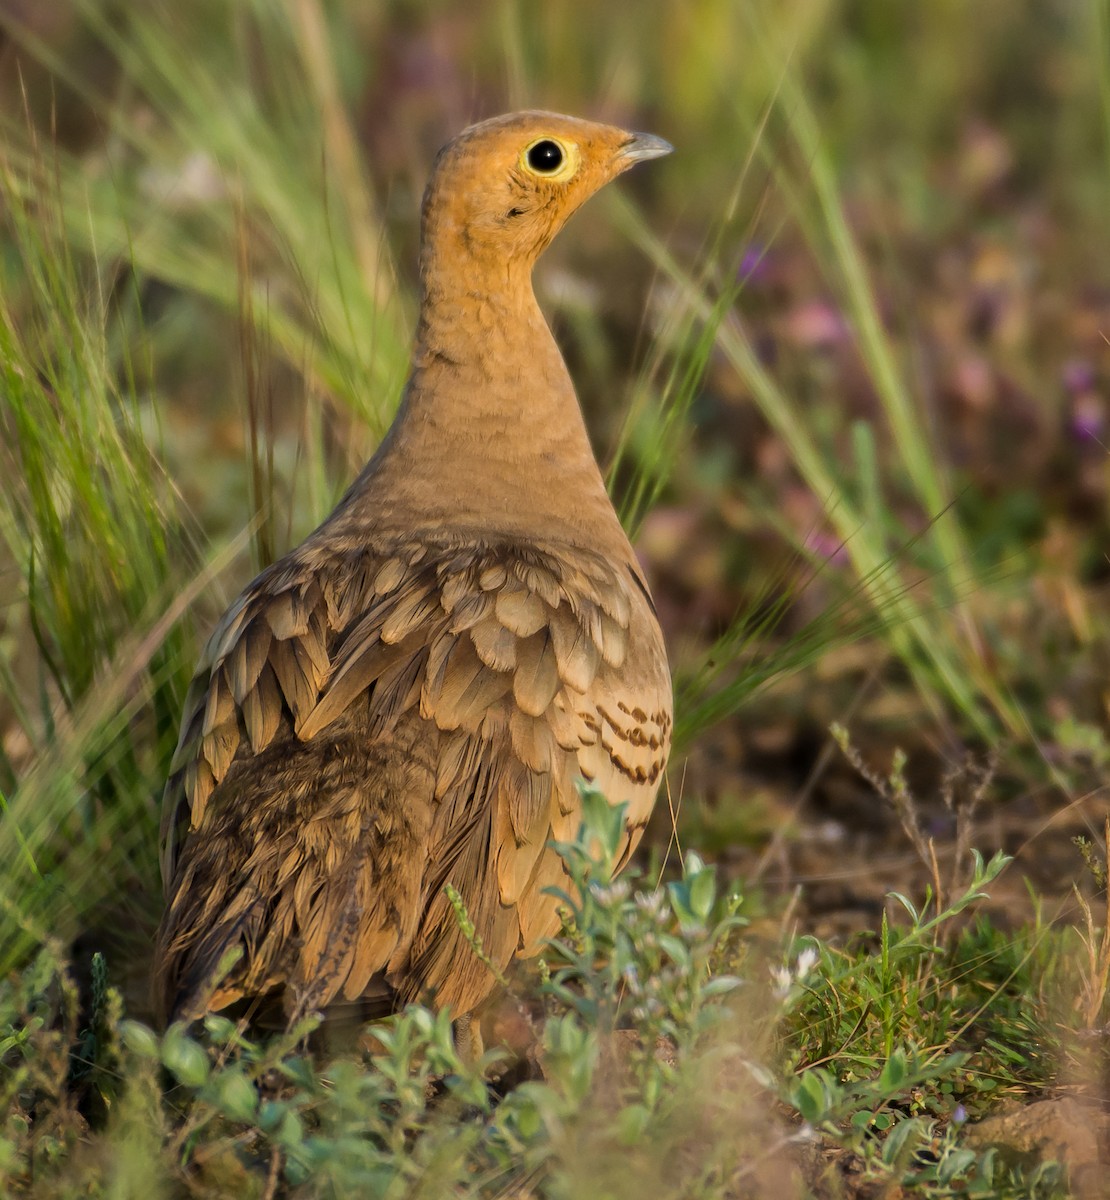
(503, 188)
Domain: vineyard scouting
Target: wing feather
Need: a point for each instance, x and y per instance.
(245, 662)
(476, 681)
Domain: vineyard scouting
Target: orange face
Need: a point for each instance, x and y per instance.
(507, 185)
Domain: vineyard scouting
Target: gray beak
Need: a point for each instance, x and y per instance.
(642, 146)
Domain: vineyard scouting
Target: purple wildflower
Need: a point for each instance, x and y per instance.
(828, 546)
(1078, 375)
(1088, 418)
(817, 325)
(753, 265)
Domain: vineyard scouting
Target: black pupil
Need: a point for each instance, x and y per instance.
(545, 157)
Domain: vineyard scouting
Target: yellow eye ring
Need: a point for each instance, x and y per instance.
(550, 158)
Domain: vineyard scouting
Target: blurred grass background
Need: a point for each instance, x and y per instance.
(844, 354)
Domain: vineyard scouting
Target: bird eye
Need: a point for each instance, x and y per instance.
(545, 157)
(550, 158)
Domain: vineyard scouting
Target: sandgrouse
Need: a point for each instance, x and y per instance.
(408, 698)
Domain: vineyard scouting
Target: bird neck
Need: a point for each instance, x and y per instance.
(489, 434)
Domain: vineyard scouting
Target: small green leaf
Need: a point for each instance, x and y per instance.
(719, 985)
(291, 1131)
(235, 1096)
(812, 1095)
(905, 1133)
(703, 891)
(907, 904)
(220, 1029)
(632, 1121)
(139, 1039)
(184, 1058)
(270, 1114)
(893, 1073)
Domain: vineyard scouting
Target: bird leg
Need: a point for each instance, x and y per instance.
(467, 1032)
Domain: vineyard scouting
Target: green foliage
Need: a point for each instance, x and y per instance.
(657, 1070)
(893, 1048)
(415, 1119)
(89, 525)
(252, 127)
(38, 1027)
(907, 991)
(647, 958)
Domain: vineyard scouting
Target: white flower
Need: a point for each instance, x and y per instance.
(782, 978)
(807, 960)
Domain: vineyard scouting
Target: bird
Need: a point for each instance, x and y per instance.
(407, 701)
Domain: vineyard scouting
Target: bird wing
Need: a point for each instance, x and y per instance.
(525, 667)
